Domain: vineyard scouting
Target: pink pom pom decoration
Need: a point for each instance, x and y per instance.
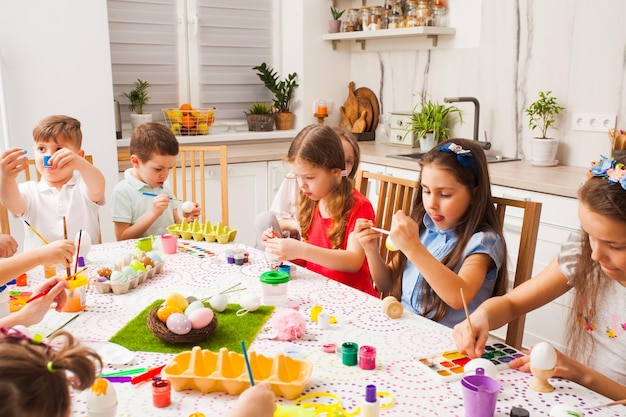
(288, 324)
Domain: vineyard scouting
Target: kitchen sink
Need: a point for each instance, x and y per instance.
(490, 158)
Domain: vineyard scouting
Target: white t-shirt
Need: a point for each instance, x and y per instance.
(129, 203)
(607, 324)
(46, 207)
(285, 202)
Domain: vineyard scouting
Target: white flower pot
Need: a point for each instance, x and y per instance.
(543, 151)
(428, 142)
(138, 119)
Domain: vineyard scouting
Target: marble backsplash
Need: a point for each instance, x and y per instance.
(575, 48)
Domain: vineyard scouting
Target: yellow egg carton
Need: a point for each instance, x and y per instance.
(206, 231)
(225, 371)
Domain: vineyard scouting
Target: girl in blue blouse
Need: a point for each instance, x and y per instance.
(460, 243)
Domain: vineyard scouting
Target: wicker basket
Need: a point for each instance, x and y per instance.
(160, 330)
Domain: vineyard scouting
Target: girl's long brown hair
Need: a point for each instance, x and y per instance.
(480, 216)
(589, 281)
(321, 147)
(32, 389)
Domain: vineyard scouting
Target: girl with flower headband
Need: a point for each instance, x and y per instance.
(328, 210)
(460, 244)
(594, 262)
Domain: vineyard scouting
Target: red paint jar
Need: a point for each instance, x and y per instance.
(367, 357)
(22, 280)
(161, 391)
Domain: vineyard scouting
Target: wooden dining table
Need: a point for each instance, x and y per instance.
(413, 389)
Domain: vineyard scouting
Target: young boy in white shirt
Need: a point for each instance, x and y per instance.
(70, 188)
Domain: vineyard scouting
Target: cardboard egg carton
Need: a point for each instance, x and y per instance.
(118, 288)
(225, 371)
(198, 231)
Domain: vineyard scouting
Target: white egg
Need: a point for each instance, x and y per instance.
(219, 302)
(543, 356)
(102, 396)
(188, 206)
(490, 369)
(564, 410)
(250, 302)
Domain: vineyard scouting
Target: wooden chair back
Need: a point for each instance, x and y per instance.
(27, 175)
(525, 254)
(393, 194)
(189, 177)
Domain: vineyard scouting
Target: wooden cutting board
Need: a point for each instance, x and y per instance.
(370, 96)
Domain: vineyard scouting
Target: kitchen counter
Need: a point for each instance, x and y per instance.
(561, 180)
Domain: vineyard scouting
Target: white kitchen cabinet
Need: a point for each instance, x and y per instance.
(558, 220)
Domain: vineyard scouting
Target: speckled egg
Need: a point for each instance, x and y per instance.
(178, 323)
(147, 261)
(104, 271)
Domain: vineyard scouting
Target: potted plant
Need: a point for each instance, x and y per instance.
(282, 91)
(431, 123)
(334, 25)
(260, 116)
(137, 98)
(541, 115)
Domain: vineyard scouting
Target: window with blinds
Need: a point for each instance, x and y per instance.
(191, 51)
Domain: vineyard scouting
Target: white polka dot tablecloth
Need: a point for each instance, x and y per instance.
(416, 390)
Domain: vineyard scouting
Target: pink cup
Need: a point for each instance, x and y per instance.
(169, 244)
(480, 393)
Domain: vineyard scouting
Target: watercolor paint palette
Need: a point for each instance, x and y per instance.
(449, 365)
(198, 251)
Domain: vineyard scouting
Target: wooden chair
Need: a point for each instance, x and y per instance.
(393, 194)
(525, 253)
(30, 172)
(188, 177)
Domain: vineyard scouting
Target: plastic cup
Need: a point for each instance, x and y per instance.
(480, 393)
(76, 294)
(145, 244)
(169, 244)
(49, 270)
(274, 285)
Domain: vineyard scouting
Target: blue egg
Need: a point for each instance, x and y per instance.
(154, 256)
(129, 271)
(193, 306)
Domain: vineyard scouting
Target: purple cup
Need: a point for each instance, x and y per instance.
(480, 393)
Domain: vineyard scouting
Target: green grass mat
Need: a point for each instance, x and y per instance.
(231, 330)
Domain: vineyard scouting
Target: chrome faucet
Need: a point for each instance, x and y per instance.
(486, 145)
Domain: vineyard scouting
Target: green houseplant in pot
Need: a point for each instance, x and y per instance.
(334, 25)
(260, 116)
(430, 123)
(542, 117)
(137, 97)
(282, 91)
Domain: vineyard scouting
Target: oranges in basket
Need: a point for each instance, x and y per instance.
(188, 121)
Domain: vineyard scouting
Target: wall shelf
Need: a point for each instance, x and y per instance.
(430, 32)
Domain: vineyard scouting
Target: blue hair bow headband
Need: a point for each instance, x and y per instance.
(464, 156)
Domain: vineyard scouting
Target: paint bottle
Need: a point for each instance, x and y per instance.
(161, 391)
(370, 407)
(349, 353)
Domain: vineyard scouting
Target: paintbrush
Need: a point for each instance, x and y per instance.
(467, 315)
(63, 325)
(69, 269)
(154, 195)
(245, 357)
(80, 235)
(44, 293)
(620, 402)
(43, 239)
(379, 230)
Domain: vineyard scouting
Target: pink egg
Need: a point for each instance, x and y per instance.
(200, 318)
(178, 323)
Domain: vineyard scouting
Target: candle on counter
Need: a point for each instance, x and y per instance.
(322, 108)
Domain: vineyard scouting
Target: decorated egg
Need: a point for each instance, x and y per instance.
(543, 356)
(118, 276)
(104, 271)
(154, 256)
(177, 300)
(219, 302)
(188, 206)
(164, 312)
(250, 302)
(178, 323)
(564, 410)
(147, 261)
(101, 396)
(137, 265)
(201, 317)
(389, 245)
(129, 271)
(193, 306)
(490, 369)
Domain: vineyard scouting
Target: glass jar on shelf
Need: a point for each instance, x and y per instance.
(440, 16)
(395, 22)
(375, 18)
(424, 14)
(385, 13)
(396, 9)
(411, 14)
(350, 22)
(365, 16)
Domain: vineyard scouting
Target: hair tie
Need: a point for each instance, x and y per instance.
(50, 368)
(344, 173)
(608, 168)
(464, 156)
